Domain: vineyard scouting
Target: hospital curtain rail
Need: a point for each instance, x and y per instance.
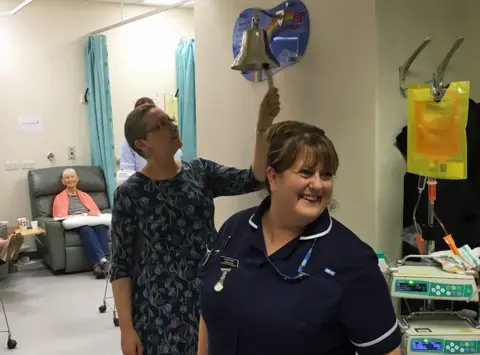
(100, 117)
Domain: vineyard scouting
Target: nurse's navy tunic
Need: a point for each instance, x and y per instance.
(321, 294)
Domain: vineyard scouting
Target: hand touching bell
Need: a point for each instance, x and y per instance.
(269, 109)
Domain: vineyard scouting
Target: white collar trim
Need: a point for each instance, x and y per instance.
(303, 237)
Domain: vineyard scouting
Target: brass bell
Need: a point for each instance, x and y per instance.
(255, 53)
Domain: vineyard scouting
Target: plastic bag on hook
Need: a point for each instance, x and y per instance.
(437, 140)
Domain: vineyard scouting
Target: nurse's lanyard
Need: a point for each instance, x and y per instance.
(300, 274)
(301, 267)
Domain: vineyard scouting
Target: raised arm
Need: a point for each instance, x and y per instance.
(228, 181)
(269, 109)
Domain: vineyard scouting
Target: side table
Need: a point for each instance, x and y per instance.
(26, 233)
(31, 232)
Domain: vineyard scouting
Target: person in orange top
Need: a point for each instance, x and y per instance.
(72, 201)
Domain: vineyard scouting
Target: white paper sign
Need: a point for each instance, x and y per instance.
(31, 124)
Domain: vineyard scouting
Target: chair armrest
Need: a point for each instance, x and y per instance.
(49, 224)
(53, 241)
(3, 231)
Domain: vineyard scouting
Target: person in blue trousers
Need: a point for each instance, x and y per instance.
(71, 202)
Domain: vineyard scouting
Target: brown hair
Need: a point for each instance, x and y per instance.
(286, 140)
(142, 101)
(135, 126)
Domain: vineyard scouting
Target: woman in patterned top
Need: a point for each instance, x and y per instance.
(163, 219)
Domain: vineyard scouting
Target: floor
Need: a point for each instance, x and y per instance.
(56, 315)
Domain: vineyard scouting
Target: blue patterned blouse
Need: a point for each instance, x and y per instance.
(160, 232)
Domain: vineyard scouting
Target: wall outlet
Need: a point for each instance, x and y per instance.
(11, 165)
(28, 164)
(71, 152)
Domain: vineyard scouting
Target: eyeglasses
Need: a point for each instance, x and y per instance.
(301, 267)
(162, 125)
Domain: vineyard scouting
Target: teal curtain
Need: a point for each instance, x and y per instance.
(185, 58)
(102, 147)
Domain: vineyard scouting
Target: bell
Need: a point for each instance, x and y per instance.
(255, 53)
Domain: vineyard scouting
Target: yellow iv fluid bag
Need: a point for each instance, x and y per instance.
(437, 140)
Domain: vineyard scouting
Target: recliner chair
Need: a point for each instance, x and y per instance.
(4, 267)
(63, 249)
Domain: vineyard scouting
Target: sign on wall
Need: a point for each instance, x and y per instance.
(171, 106)
(30, 124)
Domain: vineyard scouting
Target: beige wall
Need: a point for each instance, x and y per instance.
(42, 74)
(347, 84)
(402, 26)
(333, 87)
(142, 62)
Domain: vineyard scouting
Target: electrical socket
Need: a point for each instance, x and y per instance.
(11, 165)
(71, 152)
(28, 164)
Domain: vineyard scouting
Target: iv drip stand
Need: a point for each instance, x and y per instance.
(403, 71)
(438, 88)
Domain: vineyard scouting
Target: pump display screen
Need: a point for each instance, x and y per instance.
(411, 287)
(431, 345)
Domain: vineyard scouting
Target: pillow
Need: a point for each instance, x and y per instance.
(80, 221)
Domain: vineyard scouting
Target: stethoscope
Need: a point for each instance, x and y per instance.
(214, 251)
(300, 270)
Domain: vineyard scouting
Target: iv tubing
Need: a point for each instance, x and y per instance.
(418, 231)
(432, 196)
(421, 186)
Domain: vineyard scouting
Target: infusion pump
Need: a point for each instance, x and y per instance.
(435, 336)
(430, 282)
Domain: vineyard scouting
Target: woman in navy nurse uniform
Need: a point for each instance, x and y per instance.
(285, 278)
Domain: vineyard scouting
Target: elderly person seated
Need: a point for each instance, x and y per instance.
(71, 202)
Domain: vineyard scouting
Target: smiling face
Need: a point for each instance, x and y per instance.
(304, 189)
(162, 137)
(70, 179)
(302, 163)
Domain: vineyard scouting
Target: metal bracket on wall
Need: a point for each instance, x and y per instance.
(403, 70)
(438, 89)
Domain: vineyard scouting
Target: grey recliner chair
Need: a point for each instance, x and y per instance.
(62, 249)
(3, 267)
